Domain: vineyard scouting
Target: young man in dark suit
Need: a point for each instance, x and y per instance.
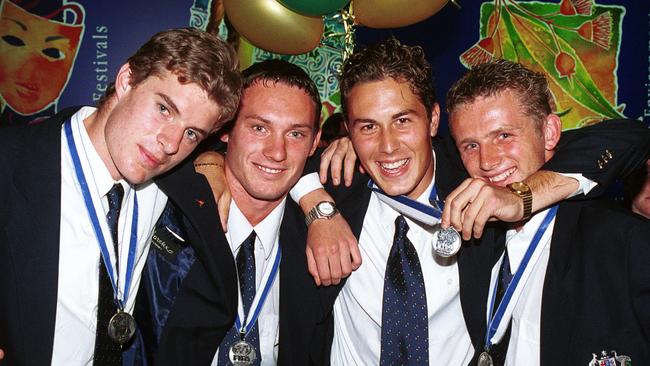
(562, 284)
(79, 204)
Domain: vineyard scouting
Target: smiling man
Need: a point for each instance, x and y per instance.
(262, 253)
(79, 204)
(569, 281)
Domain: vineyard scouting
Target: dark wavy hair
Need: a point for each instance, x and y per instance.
(389, 59)
(279, 71)
(494, 77)
(194, 56)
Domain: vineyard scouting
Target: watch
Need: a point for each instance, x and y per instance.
(522, 190)
(322, 210)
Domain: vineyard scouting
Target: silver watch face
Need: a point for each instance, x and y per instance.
(326, 208)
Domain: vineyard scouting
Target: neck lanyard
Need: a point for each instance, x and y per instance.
(508, 301)
(102, 235)
(429, 215)
(268, 277)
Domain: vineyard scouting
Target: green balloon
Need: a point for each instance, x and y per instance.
(314, 7)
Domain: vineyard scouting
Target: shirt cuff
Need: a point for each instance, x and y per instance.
(585, 184)
(306, 184)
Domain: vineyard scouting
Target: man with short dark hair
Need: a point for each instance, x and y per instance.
(569, 281)
(79, 204)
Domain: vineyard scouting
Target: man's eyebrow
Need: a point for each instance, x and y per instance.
(20, 24)
(54, 38)
(169, 102)
(363, 120)
(402, 113)
(257, 117)
(200, 131)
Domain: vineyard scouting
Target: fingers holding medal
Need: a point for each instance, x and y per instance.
(475, 202)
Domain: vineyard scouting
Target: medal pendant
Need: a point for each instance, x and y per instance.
(121, 327)
(484, 359)
(446, 242)
(242, 353)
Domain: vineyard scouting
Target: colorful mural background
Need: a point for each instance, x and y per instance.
(594, 74)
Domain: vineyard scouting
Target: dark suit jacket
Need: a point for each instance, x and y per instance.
(190, 333)
(596, 289)
(30, 207)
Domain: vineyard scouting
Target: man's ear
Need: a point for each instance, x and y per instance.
(345, 124)
(315, 143)
(552, 129)
(435, 119)
(123, 80)
(225, 137)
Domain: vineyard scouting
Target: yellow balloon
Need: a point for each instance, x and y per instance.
(394, 13)
(269, 25)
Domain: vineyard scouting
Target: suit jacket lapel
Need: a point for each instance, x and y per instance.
(558, 306)
(475, 262)
(300, 306)
(192, 194)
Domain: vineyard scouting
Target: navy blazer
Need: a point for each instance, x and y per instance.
(595, 292)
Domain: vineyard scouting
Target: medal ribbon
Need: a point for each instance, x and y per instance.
(495, 322)
(268, 277)
(429, 215)
(102, 234)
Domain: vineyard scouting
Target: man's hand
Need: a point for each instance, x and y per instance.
(475, 202)
(339, 155)
(211, 164)
(332, 250)
(2, 354)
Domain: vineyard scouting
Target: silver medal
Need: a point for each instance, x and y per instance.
(121, 327)
(242, 353)
(484, 359)
(446, 242)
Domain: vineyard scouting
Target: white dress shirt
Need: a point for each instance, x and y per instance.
(358, 308)
(523, 348)
(267, 237)
(79, 253)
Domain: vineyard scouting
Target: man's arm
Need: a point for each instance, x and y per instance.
(600, 153)
(332, 250)
(475, 202)
(210, 164)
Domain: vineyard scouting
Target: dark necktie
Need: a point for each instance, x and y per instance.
(108, 352)
(499, 350)
(404, 322)
(246, 274)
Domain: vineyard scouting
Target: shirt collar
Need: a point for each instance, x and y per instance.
(98, 173)
(267, 230)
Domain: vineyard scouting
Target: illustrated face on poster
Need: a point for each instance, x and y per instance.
(36, 57)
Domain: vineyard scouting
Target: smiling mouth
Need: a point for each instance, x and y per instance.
(393, 166)
(501, 177)
(268, 170)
